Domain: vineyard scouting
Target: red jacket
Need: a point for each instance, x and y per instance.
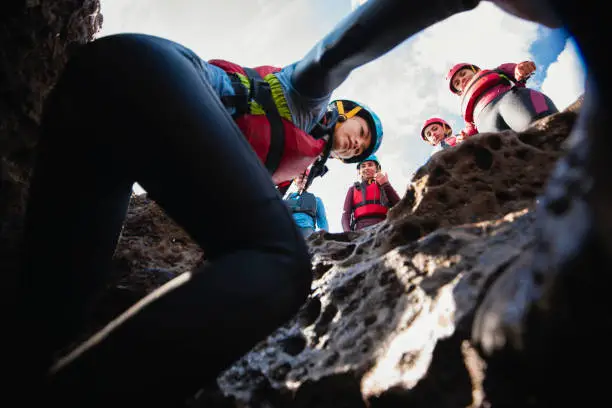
(300, 148)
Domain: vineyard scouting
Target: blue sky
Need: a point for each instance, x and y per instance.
(546, 48)
(405, 86)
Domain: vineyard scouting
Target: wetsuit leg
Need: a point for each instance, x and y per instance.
(489, 119)
(136, 108)
(520, 107)
(515, 110)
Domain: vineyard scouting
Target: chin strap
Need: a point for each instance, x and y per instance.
(319, 169)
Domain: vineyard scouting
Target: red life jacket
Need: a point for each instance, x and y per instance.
(370, 204)
(285, 149)
(482, 82)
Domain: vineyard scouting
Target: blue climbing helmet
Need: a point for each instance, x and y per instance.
(346, 109)
(372, 158)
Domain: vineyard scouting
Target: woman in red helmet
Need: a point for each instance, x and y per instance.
(493, 100)
(438, 133)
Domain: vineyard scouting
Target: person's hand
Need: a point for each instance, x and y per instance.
(382, 178)
(524, 69)
(461, 136)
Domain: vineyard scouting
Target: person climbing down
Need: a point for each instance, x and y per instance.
(493, 100)
(368, 200)
(195, 131)
(306, 208)
(438, 133)
(190, 123)
(204, 128)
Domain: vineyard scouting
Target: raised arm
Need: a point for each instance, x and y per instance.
(364, 35)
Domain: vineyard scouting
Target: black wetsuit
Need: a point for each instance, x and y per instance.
(515, 109)
(134, 108)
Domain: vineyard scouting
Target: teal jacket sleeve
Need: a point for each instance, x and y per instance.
(321, 216)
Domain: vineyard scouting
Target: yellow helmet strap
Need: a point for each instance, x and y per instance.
(343, 116)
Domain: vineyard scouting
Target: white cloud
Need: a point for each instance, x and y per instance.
(405, 87)
(565, 77)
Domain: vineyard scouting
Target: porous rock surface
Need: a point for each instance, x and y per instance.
(152, 240)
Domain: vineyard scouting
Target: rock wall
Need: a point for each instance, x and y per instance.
(37, 38)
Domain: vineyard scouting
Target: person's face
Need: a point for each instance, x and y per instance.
(368, 170)
(461, 78)
(351, 138)
(434, 133)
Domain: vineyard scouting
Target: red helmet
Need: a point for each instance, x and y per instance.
(445, 125)
(454, 70)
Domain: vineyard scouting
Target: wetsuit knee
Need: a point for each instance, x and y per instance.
(303, 272)
(115, 68)
(295, 268)
(291, 246)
